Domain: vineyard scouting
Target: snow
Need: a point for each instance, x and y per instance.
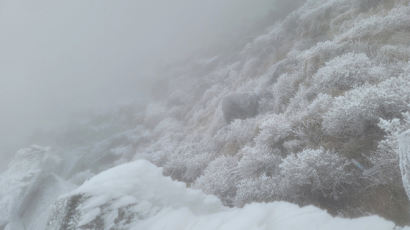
(161, 203)
(145, 181)
(125, 194)
(28, 188)
(307, 112)
(278, 215)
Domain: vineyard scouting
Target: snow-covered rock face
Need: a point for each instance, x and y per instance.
(404, 148)
(121, 197)
(137, 196)
(28, 188)
(239, 106)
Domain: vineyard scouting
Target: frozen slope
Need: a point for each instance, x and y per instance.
(137, 196)
(306, 112)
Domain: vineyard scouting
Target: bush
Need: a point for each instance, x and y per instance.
(315, 175)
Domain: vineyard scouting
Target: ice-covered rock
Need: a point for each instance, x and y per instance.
(28, 188)
(239, 106)
(404, 150)
(122, 196)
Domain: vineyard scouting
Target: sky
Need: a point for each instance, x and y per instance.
(59, 57)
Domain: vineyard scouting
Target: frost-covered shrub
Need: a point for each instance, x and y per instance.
(345, 72)
(319, 53)
(274, 130)
(309, 122)
(220, 178)
(361, 108)
(284, 89)
(259, 189)
(316, 174)
(187, 165)
(256, 162)
(237, 134)
(314, 16)
(380, 25)
(386, 159)
(395, 55)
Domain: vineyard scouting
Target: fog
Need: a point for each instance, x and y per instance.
(112, 110)
(59, 58)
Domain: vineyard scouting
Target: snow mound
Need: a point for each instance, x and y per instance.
(137, 196)
(122, 196)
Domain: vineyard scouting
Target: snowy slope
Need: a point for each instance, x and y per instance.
(331, 83)
(308, 112)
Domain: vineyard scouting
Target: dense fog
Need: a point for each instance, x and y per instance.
(60, 58)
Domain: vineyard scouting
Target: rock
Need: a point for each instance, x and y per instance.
(404, 154)
(239, 106)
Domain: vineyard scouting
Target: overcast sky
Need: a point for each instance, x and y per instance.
(63, 56)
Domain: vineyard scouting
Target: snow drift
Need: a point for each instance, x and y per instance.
(137, 196)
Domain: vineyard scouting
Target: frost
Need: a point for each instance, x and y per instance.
(309, 111)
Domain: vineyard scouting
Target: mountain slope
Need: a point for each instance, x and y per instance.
(308, 112)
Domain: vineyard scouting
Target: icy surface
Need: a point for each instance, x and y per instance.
(137, 196)
(122, 196)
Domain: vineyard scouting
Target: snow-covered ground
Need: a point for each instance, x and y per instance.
(137, 196)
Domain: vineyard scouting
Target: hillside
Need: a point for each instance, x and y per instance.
(308, 112)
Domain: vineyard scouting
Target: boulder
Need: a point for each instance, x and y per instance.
(239, 106)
